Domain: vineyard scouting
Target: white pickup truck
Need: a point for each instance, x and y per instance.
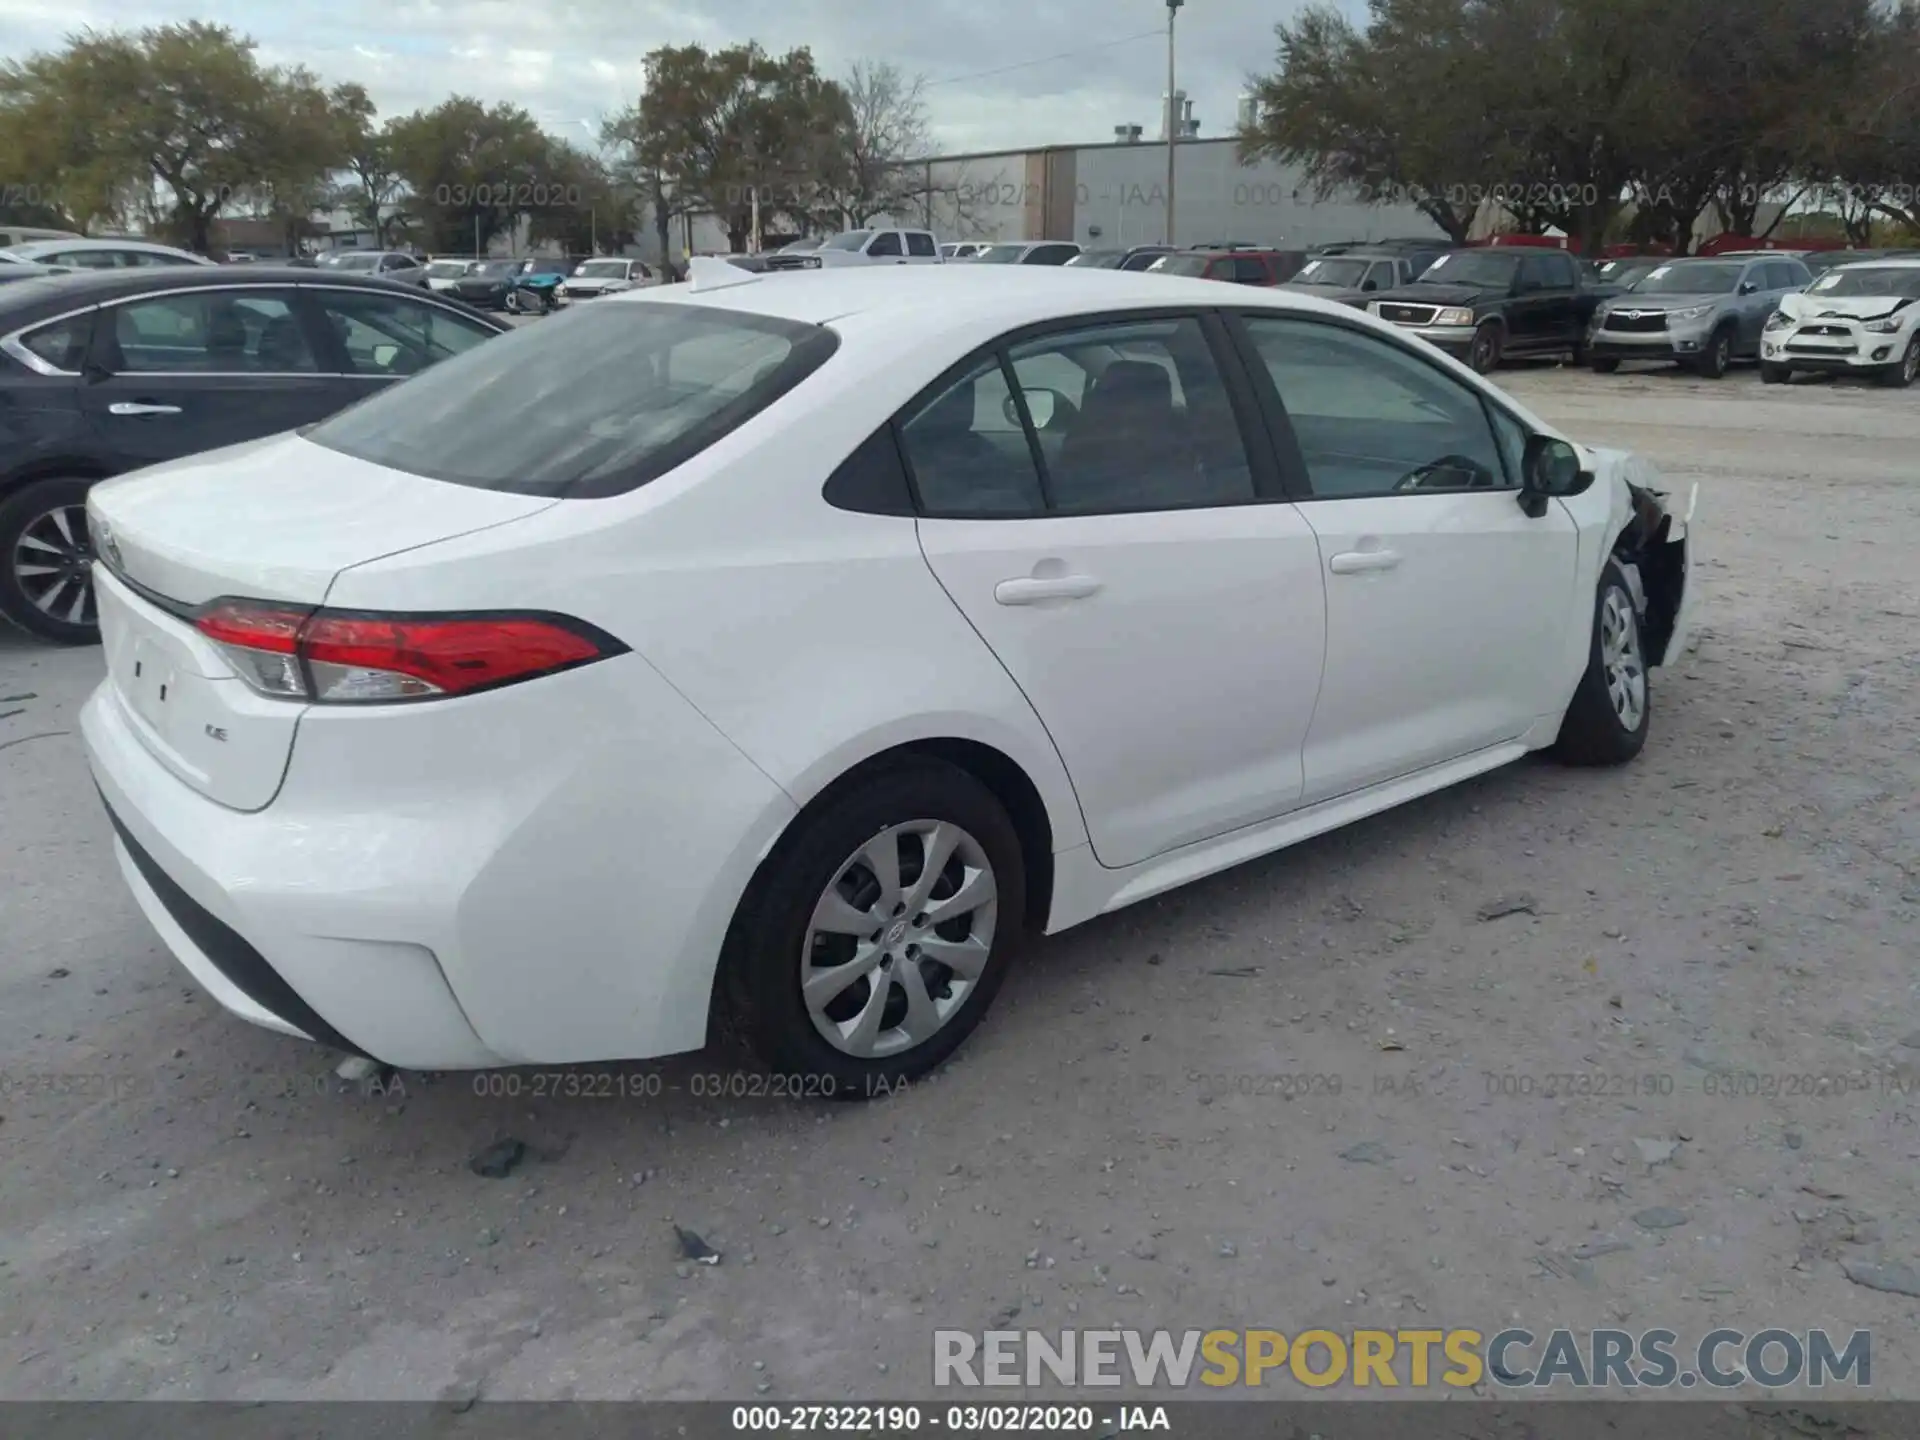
(864, 247)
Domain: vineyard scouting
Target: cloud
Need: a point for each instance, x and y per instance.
(565, 60)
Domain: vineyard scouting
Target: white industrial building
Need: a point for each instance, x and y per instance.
(1116, 194)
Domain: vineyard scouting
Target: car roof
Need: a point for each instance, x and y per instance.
(943, 297)
(85, 243)
(1888, 262)
(23, 301)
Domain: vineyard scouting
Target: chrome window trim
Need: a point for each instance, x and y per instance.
(13, 345)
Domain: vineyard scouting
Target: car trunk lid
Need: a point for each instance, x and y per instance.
(273, 520)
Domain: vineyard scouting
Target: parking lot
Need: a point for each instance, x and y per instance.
(1427, 1070)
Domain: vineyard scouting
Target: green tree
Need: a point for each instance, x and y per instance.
(585, 209)
(471, 171)
(713, 131)
(64, 156)
(1392, 112)
(178, 122)
(1872, 154)
(372, 188)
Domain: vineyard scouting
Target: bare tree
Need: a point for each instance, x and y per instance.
(873, 163)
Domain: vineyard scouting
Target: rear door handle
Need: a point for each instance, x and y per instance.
(140, 407)
(1355, 562)
(1032, 591)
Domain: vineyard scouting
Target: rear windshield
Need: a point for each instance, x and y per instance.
(595, 403)
(1181, 265)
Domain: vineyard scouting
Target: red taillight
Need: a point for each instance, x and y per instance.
(348, 657)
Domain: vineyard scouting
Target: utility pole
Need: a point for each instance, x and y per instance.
(1173, 115)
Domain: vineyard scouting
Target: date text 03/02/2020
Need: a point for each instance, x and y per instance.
(965, 1420)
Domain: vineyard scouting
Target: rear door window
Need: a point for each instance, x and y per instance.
(969, 450)
(209, 332)
(920, 243)
(617, 396)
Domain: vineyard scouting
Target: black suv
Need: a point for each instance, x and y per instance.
(1484, 304)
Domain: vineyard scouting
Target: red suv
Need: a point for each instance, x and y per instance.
(1240, 267)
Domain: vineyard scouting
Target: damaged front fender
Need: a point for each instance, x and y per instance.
(1656, 550)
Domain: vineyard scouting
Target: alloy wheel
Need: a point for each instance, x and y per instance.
(899, 938)
(53, 564)
(1910, 363)
(1620, 659)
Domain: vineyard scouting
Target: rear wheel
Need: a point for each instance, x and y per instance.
(1607, 722)
(46, 562)
(1774, 374)
(875, 936)
(1488, 342)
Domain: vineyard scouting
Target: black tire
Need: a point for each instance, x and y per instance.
(1489, 341)
(25, 516)
(1593, 731)
(1775, 374)
(1717, 357)
(1904, 371)
(1605, 365)
(761, 974)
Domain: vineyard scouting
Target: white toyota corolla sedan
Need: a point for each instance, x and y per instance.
(793, 646)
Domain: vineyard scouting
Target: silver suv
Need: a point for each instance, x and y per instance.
(1701, 313)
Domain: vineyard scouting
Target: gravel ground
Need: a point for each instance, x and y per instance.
(210, 1214)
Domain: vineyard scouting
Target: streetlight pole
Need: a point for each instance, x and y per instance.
(1173, 115)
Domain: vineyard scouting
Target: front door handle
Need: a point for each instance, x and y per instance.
(1355, 562)
(1033, 591)
(140, 407)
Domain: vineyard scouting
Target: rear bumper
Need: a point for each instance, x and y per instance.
(508, 879)
(214, 883)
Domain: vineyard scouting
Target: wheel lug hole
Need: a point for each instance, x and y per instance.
(913, 952)
(900, 909)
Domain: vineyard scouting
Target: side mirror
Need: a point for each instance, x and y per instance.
(1747, 287)
(1550, 467)
(1369, 285)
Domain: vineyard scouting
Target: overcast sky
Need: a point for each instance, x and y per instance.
(574, 60)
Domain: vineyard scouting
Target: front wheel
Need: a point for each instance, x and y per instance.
(1607, 722)
(1904, 371)
(1484, 354)
(1605, 365)
(1715, 360)
(46, 562)
(875, 936)
(1774, 374)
